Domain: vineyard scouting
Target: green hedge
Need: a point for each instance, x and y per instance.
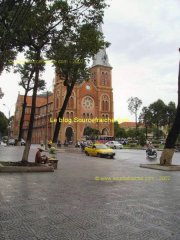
(133, 145)
(156, 145)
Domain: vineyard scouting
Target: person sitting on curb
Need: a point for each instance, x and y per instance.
(39, 159)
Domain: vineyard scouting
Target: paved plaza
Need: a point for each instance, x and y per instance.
(90, 198)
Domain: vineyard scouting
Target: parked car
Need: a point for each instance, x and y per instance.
(84, 144)
(4, 139)
(114, 144)
(123, 141)
(99, 150)
(23, 142)
(11, 141)
(162, 141)
(3, 144)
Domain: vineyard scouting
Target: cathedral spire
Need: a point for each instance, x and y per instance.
(101, 57)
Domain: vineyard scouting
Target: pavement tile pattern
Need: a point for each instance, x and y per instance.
(73, 203)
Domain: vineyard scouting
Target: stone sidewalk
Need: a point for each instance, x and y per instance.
(89, 198)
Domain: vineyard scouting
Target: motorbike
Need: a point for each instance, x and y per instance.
(151, 154)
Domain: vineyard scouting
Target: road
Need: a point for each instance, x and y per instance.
(90, 198)
(139, 156)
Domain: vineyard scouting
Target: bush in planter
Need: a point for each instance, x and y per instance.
(156, 145)
(53, 152)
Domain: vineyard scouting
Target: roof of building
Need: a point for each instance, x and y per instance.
(129, 124)
(101, 58)
(40, 100)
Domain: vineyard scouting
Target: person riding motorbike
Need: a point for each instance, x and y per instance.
(150, 150)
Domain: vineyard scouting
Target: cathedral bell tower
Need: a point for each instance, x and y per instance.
(101, 69)
(102, 79)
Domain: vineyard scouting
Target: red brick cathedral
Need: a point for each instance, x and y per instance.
(90, 105)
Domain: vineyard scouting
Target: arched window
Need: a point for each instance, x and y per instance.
(105, 103)
(71, 115)
(91, 115)
(93, 77)
(67, 114)
(84, 115)
(105, 131)
(103, 79)
(106, 79)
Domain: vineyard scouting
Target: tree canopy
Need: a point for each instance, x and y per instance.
(158, 114)
(1, 94)
(3, 124)
(134, 103)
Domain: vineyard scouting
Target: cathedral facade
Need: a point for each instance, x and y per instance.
(90, 105)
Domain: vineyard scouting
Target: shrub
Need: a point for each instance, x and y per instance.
(142, 140)
(133, 145)
(156, 145)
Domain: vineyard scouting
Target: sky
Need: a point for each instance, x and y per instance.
(145, 39)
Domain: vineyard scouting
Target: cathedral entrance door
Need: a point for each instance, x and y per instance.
(105, 131)
(69, 134)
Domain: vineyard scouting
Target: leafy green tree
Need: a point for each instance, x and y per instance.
(58, 23)
(27, 72)
(119, 132)
(134, 104)
(131, 133)
(76, 53)
(37, 35)
(13, 17)
(142, 139)
(91, 132)
(136, 134)
(157, 133)
(146, 118)
(170, 113)
(158, 113)
(3, 124)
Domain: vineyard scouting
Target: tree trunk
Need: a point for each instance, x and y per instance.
(33, 108)
(146, 131)
(61, 113)
(136, 119)
(22, 118)
(24, 106)
(167, 154)
(166, 157)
